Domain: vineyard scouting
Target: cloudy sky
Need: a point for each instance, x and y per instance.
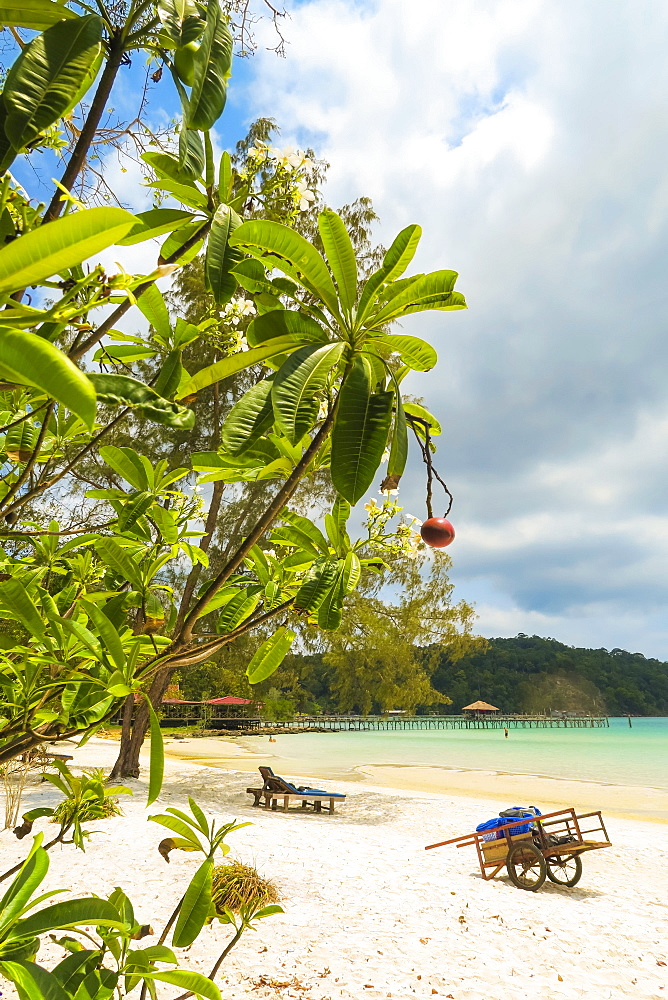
(529, 139)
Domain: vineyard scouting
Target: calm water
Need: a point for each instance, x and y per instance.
(618, 755)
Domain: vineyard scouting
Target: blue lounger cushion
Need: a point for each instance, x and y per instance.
(319, 791)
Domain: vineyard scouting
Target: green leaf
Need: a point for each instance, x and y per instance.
(298, 386)
(238, 610)
(399, 446)
(195, 907)
(34, 981)
(157, 222)
(31, 875)
(401, 253)
(125, 462)
(135, 508)
(173, 249)
(34, 14)
(70, 913)
(120, 561)
(430, 291)
(307, 528)
(167, 165)
(415, 410)
(169, 378)
(49, 71)
(340, 255)
(360, 432)
(416, 353)
(15, 598)
(317, 582)
(181, 23)
(152, 304)
(123, 390)
(62, 244)
(225, 177)
(330, 609)
(107, 547)
(157, 762)
(249, 418)
(178, 825)
(33, 360)
(212, 64)
(166, 523)
(74, 967)
(124, 354)
(191, 153)
(270, 655)
(284, 323)
(220, 257)
(235, 363)
(395, 262)
(184, 191)
(275, 244)
(195, 982)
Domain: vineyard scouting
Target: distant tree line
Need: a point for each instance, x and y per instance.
(529, 673)
(523, 674)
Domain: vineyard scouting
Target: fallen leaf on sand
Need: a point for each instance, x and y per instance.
(425, 940)
(659, 962)
(560, 978)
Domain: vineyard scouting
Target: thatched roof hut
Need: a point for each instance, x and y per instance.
(480, 706)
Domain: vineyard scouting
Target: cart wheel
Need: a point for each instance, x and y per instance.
(526, 866)
(564, 871)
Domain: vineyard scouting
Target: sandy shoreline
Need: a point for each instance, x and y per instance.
(370, 913)
(247, 753)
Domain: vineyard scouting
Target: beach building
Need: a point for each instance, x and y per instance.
(480, 709)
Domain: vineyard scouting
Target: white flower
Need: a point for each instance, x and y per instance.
(285, 157)
(247, 307)
(389, 493)
(371, 506)
(305, 196)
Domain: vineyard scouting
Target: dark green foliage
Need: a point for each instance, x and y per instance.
(512, 671)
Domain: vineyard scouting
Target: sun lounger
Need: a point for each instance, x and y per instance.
(276, 788)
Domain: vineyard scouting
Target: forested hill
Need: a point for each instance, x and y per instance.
(529, 673)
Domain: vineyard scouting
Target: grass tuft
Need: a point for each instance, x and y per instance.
(235, 885)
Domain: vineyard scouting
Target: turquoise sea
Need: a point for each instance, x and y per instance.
(619, 755)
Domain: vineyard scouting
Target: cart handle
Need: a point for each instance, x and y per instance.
(473, 837)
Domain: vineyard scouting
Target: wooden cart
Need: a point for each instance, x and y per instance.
(550, 849)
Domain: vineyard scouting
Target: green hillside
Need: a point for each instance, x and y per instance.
(528, 673)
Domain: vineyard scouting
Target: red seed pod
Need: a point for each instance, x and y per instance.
(437, 532)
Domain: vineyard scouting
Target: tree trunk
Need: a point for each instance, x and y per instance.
(127, 762)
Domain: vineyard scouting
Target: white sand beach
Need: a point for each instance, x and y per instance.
(369, 912)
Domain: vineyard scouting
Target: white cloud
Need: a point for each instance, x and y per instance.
(530, 141)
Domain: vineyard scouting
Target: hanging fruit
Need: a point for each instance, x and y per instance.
(20, 442)
(437, 532)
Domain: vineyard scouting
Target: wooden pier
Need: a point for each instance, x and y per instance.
(208, 717)
(388, 723)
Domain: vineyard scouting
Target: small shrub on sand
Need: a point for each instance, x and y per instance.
(235, 885)
(88, 800)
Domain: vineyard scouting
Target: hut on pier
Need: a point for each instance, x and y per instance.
(480, 709)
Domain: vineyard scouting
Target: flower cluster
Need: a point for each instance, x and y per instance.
(290, 160)
(402, 539)
(237, 309)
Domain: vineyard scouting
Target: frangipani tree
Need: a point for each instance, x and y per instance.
(91, 618)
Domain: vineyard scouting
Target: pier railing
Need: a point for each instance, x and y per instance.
(217, 717)
(365, 723)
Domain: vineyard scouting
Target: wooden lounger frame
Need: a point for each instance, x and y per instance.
(271, 799)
